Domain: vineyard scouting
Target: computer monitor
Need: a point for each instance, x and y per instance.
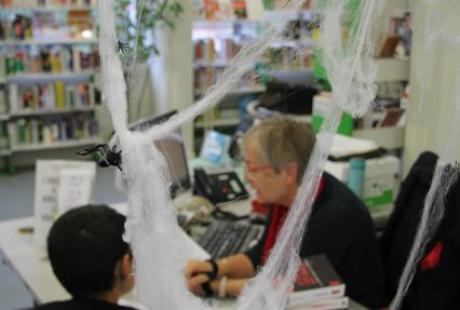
(172, 148)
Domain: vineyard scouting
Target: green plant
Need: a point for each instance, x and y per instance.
(135, 30)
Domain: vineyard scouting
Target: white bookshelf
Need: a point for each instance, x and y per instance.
(55, 145)
(60, 41)
(240, 91)
(237, 32)
(386, 137)
(49, 76)
(48, 8)
(51, 112)
(73, 103)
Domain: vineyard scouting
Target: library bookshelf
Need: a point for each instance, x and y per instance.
(217, 41)
(49, 60)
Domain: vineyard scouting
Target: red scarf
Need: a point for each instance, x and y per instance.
(277, 220)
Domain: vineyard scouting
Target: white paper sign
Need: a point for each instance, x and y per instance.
(75, 188)
(47, 180)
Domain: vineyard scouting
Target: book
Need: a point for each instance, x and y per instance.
(13, 97)
(326, 304)
(59, 95)
(316, 281)
(391, 117)
(239, 9)
(387, 45)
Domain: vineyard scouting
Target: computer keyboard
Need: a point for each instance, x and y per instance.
(223, 237)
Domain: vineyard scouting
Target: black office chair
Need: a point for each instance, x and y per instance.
(436, 284)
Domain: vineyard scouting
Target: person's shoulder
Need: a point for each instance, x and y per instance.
(336, 193)
(82, 304)
(55, 305)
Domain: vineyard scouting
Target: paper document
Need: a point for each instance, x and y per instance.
(343, 146)
(75, 188)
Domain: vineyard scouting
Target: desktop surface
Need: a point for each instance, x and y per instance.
(31, 264)
(30, 261)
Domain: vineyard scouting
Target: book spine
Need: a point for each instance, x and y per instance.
(328, 304)
(3, 104)
(55, 132)
(21, 131)
(76, 60)
(59, 94)
(12, 134)
(46, 134)
(34, 131)
(13, 97)
(92, 99)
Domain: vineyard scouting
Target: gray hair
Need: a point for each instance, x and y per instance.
(282, 141)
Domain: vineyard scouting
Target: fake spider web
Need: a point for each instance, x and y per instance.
(151, 227)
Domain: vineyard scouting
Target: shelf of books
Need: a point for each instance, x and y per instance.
(219, 31)
(48, 62)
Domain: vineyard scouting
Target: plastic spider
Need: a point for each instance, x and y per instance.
(123, 47)
(106, 156)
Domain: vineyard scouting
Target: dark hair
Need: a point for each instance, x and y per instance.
(84, 245)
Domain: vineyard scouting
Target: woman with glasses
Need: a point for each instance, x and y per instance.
(276, 153)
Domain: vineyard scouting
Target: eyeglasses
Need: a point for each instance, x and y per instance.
(254, 168)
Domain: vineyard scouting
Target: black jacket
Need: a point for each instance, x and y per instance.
(341, 227)
(82, 304)
(436, 287)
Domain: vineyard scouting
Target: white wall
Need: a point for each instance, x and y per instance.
(429, 124)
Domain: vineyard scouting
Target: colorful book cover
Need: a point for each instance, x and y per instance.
(59, 95)
(239, 9)
(316, 280)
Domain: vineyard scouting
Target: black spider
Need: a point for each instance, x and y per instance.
(123, 47)
(106, 156)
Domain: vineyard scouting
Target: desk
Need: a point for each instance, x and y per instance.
(34, 269)
(29, 261)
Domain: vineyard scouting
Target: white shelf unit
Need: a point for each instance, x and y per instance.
(49, 76)
(55, 145)
(46, 8)
(387, 137)
(58, 41)
(215, 43)
(80, 110)
(240, 91)
(51, 112)
(243, 31)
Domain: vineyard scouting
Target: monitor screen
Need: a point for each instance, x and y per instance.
(172, 147)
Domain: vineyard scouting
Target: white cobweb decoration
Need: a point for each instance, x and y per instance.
(151, 226)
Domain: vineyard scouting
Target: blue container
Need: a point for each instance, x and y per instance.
(356, 176)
